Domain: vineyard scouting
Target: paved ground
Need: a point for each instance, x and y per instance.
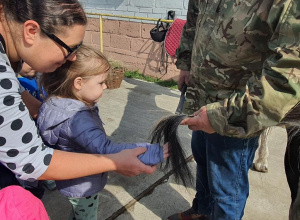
(129, 113)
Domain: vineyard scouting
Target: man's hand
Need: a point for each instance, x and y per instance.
(129, 165)
(199, 121)
(184, 77)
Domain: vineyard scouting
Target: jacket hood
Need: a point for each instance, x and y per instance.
(54, 112)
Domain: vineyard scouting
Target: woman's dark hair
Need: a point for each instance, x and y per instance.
(166, 131)
(51, 15)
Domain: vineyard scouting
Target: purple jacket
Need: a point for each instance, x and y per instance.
(70, 125)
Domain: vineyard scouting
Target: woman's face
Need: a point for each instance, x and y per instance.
(48, 55)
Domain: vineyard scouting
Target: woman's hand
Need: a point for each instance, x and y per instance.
(128, 164)
(199, 121)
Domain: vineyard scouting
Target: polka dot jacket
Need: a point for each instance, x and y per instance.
(21, 148)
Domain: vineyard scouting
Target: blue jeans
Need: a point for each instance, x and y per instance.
(222, 183)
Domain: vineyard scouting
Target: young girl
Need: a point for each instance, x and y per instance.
(69, 120)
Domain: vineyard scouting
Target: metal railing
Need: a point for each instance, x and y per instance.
(120, 16)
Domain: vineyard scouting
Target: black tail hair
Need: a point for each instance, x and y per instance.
(292, 118)
(166, 131)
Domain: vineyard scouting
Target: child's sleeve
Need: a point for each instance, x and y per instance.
(152, 156)
(89, 135)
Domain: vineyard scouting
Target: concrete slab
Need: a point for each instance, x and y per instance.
(128, 114)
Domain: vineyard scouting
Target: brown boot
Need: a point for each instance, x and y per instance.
(189, 214)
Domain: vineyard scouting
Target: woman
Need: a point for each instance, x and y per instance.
(44, 34)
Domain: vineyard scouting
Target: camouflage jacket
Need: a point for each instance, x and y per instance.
(244, 60)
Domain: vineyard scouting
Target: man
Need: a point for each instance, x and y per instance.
(292, 170)
(241, 62)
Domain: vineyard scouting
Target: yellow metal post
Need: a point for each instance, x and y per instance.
(101, 34)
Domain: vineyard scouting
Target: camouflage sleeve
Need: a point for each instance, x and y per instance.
(270, 96)
(184, 51)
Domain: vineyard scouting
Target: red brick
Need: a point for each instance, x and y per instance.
(121, 51)
(106, 40)
(144, 45)
(88, 37)
(146, 30)
(93, 24)
(120, 42)
(130, 29)
(110, 26)
(96, 38)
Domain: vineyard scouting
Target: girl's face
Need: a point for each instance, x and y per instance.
(48, 54)
(91, 88)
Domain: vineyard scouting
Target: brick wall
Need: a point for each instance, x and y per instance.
(129, 41)
(139, 8)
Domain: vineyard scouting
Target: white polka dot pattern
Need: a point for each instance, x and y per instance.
(21, 148)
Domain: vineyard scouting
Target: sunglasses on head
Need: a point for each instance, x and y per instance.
(63, 44)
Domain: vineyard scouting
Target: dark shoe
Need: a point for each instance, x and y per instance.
(7, 177)
(189, 214)
(38, 191)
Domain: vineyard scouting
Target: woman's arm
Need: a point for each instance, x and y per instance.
(67, 165)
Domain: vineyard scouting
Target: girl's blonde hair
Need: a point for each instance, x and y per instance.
(89, 62)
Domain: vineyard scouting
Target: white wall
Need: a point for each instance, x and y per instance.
(139, 8)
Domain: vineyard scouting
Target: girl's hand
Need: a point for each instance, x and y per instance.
(33, 105)
(166, 150)
(199, 121)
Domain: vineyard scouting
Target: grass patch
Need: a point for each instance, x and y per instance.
(165, 83)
